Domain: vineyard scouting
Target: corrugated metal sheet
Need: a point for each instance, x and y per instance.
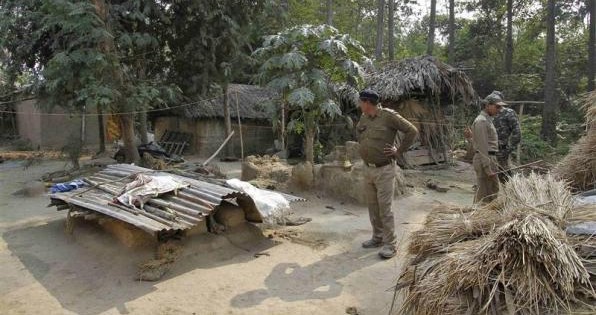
(163, 213)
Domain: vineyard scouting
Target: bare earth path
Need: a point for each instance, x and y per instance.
(322, 271)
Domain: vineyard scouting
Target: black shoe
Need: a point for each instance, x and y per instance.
(372, 243)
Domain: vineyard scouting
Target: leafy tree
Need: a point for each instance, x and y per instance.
(302, 63)
(80, 54)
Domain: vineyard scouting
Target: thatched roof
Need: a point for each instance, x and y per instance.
(251, 99)
(421, 75)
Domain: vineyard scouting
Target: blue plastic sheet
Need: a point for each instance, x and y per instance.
(64, 187)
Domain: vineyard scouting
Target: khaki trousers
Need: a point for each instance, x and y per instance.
(379, 185)
(488, 187)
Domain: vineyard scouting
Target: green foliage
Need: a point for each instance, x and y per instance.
(532, 146)
(302, 63)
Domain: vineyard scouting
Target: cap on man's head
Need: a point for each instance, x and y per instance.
(495, 98)
(369, 95)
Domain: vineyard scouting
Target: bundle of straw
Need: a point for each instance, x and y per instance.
(446, 225)
(579, 166)
(511, 256)
(525, 267)
(540, 193)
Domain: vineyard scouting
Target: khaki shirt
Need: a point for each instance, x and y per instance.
(375, 132)
(485, 139)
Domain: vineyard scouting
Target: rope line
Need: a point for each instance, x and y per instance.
(115, 114)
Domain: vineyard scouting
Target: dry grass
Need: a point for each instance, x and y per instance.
(526, 266)
(447, 225)
(579, 166)
(512, 256)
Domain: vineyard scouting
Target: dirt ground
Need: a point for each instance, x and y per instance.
(320, 269)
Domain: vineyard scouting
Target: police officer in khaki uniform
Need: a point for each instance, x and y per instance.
(486, 144)
(377, 130)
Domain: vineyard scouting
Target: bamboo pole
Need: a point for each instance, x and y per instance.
(239, 129)
(521, 113)
(219, 149)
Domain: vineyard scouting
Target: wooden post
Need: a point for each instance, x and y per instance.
(521, 113)
(239, 129)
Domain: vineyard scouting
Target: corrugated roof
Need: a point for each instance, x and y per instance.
(166, 212)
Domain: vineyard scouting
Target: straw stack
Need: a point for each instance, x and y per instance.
(510, 258)
(579, 166)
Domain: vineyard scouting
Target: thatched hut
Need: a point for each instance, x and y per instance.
(205, 121)
(426, 91)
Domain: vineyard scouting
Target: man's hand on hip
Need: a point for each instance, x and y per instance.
(391, 150)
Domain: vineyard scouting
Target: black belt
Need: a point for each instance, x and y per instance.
(489, 152)
(377, 165)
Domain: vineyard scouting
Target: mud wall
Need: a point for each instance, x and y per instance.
(208, 134)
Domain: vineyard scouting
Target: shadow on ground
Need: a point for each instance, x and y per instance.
(317, 281)
(89, 272)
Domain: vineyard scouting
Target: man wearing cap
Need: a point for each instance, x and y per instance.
(486, 142)
(508, 132)
(377, 130)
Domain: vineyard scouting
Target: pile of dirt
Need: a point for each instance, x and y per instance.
(166, 255)
(148, 161)
(265, 171)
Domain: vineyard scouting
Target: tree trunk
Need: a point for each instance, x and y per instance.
(329, 8)
(509, 40)
(143, 114)
(127, 128)
(128, 137)
(143, 127)
(431, 27)
(227, 118)
(380, 27)
(309, 144)
(102, 130)
(391, 30)
(550, 109)
(451, 51)
(592, 45)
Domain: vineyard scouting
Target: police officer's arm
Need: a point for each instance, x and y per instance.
(515, 137)
(480, 135)
(407, 128)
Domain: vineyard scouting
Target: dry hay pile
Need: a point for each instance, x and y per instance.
(579, 166)
(512, 256)
(264, 171)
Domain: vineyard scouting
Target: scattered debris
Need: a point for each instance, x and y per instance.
(295, 236)
(352, 310)
(434, 185)
(257, 255)
(296, 221)
(31, 189)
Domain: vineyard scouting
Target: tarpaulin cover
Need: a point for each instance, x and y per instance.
(272, 206)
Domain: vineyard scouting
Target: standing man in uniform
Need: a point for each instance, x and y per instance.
(377, 130)
(486, 143)
(509, 134)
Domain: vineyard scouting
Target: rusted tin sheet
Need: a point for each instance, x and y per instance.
(167, 212)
